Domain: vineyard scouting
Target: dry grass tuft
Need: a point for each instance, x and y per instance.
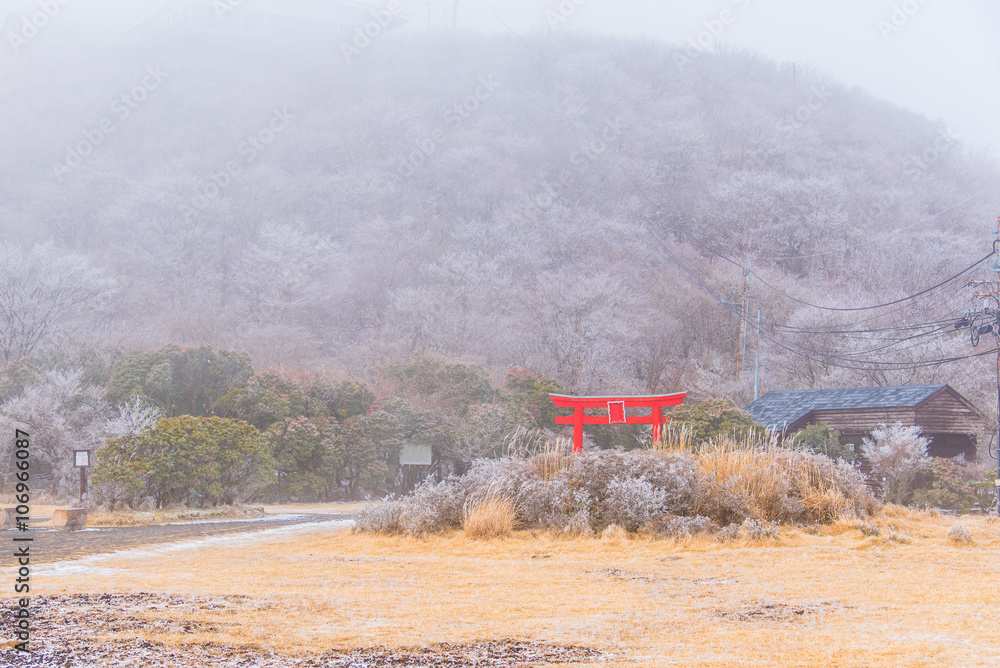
(555, 457)
(613, 532)
(674, 437)
(894, 511)
(753, 474)
(959, 535)
(490, 515)
(775, 483)
(97, 519)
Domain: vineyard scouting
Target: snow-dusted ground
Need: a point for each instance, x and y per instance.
(100, 563)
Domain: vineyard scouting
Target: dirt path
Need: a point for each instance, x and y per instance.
(50, 545)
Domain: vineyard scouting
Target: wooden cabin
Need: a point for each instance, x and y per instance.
(946, 417)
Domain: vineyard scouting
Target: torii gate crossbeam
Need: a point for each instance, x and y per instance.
(616, 411)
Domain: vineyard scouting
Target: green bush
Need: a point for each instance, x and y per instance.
(451, 387)
(483, 433)
(195, 460)
(309, 458)
(266, 399)
(717, 418)
(180, 381)
(342, 401)
(820, 439)
(944, 484)
(985, 490)
(528, 394)
(395, 422)
(363, 468)
(18, 375)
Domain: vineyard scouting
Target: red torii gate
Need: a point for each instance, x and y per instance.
(616, 411)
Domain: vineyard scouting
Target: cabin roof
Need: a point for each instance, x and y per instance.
(782, 409)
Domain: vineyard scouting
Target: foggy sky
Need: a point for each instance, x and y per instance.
(943, 62)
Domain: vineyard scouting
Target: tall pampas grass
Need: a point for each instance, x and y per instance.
(489, 514)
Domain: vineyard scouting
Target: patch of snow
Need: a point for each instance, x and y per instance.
(268, 518)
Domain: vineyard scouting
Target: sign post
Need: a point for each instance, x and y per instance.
(81, 459)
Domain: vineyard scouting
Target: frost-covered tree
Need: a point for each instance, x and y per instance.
(896, 453)
(44, 293)
(62, 415)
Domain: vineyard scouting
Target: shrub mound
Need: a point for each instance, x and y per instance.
(652, 492)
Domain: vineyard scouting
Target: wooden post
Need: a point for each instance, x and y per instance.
(657, 421)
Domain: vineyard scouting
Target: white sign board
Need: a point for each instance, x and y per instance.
(415, 455)
(82, 458)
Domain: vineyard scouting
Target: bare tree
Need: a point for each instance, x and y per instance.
(43, 293)
(62, 415)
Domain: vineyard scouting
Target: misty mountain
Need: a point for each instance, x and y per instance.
(574, 205)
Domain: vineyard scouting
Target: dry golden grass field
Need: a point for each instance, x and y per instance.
(829, 596)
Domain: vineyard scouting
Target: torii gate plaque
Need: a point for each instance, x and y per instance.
(616, 411)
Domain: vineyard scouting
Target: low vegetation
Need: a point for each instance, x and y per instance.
(658, 492)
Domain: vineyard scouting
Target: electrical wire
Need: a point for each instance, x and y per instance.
(856, 364)
(795, 299)
(875, 330)
(857, 355)
(844, 361)
(878, 306)
(870, 365)
(847, 361)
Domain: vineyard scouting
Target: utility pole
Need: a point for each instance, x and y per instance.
(986, 320)
(744, 314)
(756, 366)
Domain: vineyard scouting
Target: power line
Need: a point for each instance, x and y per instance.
(718, 297)
(863, 365)
(856, 364)
(805, 330)
(878, 306)
(856, 355)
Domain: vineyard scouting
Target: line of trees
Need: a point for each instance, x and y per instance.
(198, 426)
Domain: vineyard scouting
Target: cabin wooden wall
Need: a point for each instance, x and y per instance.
(862, 420)
(944, 413)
